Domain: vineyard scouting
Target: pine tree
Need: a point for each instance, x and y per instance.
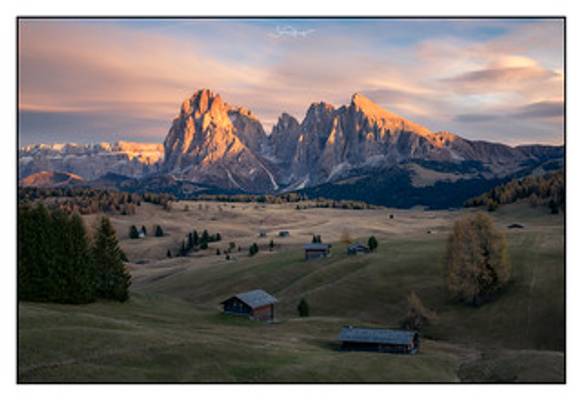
(113, 280)
(271, 245)
(169, 254)
(372, 243)
(195, 237)
(254, 249)
(205, 236)
(303, 308)
(218, 237)
(81, 273)
(133, 232)
(159, 231)
(144, 230)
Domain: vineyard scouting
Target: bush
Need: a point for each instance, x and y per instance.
(417, 316)
(477, 260)
(303, 308)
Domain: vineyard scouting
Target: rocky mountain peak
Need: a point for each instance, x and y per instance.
(285, 123)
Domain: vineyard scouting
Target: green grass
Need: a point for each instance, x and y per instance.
(171, 329)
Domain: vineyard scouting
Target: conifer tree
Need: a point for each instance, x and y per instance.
(159, 231)
(113, 280)
(80, 272)
(303, 308)
(372, 243)
(133, 232)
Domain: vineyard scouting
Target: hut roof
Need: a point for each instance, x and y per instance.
(358, 246)
(255, 298)
(375, 335)
(317, 246)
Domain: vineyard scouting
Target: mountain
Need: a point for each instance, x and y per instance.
(356, 151)
(50, 179)
(212, 142)
(91, 161)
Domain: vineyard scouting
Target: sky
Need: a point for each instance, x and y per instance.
(88, 81)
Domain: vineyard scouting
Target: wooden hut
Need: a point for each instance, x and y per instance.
(316, 250)
(379, 340)
(256, 304)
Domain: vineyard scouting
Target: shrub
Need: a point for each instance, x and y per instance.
(417, 316)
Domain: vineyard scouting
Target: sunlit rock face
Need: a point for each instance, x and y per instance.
(90, 161)
(214, 143)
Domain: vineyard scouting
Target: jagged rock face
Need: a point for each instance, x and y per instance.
(213, 143)
(284, 139)
(248, 128)
(93, 160)
(332, 142)
(205, 145)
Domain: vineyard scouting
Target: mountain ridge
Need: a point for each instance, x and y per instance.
(214, 143)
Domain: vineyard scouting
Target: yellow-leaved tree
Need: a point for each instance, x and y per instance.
(477, 260)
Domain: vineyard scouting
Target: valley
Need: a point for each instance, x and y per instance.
(172, 328)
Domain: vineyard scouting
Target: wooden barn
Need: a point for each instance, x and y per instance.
(256, 304)
(316, 250)
(357, 248)
(379, 340)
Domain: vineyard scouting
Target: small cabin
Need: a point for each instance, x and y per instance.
(357, 248)
(316, 250)
(283, 233)
(379, 340)
(256, 304)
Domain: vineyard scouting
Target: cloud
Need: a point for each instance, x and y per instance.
(130, 77)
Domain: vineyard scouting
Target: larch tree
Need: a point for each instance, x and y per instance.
(477, 260)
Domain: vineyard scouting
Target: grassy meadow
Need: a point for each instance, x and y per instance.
(172, 330)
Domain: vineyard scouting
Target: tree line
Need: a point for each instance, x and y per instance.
(302, 200)
(91, 201)
(58, 262)
(541, 191)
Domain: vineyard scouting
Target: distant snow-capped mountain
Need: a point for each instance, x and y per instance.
(91, 161)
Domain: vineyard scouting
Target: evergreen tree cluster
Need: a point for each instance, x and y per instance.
(195, 241)
(316, 239)
(303, 202)
(57, 262)
(541, 191)
(82, 200)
